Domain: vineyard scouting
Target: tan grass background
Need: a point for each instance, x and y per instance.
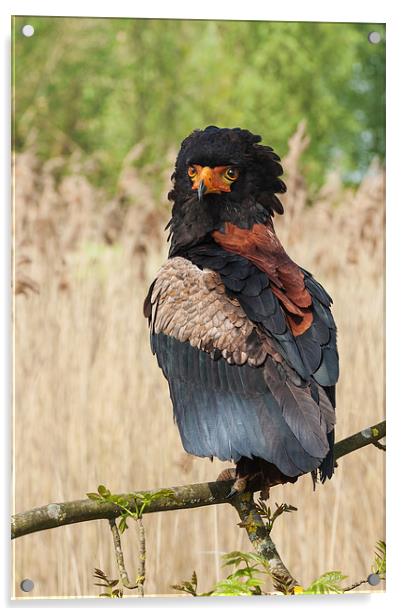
(91, 405)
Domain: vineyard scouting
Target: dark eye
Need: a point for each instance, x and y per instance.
(192, 172)
(232, 173)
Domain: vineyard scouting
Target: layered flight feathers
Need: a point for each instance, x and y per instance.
(313, 353)
(191, 305)
(233, 392)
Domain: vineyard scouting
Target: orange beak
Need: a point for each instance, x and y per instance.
(210, 180)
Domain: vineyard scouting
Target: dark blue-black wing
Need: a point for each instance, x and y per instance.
(312, 354)
(233, 394)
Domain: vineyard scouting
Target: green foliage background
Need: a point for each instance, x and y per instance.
(98, 86)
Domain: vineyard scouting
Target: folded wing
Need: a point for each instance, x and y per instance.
(234, 392)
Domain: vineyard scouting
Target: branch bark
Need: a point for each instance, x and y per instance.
(119, 556)
(261, 539)
(142, 557)
(182, 497)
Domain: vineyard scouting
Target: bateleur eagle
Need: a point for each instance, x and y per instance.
(244, 336)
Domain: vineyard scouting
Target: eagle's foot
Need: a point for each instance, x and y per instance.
(249, 482)
(238, 487)
(257, 475)
(243, 483)
(228, 474)
(253, 476)
(240, 481)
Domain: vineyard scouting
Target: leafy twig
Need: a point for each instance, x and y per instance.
(131, 506)
(249, 566)
(259, 535)
(328, 583)
(265, 512)
(111, 591)
(189, 587)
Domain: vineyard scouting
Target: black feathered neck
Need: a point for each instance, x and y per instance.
(193, 221)
(252, 198)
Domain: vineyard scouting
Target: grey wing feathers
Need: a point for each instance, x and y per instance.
(233, 394)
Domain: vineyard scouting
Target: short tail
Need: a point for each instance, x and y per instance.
(326, 468)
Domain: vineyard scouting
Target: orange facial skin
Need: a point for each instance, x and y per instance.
(214, 178)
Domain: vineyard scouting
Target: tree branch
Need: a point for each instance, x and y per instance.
(369, 436)
(355, 585)
(142, 557)
(119, 556)
(182, 497)
(261, 540)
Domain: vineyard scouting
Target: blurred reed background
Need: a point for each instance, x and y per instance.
(91, 405)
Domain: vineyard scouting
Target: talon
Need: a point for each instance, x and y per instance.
(238, 487)
(232, 492)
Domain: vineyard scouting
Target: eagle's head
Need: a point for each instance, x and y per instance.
(222, 175)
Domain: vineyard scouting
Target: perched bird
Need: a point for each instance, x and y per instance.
(244, 336)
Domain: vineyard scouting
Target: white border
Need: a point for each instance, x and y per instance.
(341, 11)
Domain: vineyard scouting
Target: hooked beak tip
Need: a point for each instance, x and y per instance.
(201, 190)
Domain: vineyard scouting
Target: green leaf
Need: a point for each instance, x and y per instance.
(326, 584)
(248, 580)
(236, 558)
(103, 491)
(94, 496)
(379, 565)
(233, 587)
(121, 501)
(261, 560)
(123, 525)
(246, 572)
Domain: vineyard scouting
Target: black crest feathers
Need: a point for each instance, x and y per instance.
(215, 146)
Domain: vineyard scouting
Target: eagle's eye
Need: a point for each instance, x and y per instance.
(231, 174)
(192, 172)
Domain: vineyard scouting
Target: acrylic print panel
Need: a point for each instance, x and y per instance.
(101, 107)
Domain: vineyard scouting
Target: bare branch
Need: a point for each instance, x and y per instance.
(379, 446)
(360, 439)
(142, 557)
(182, 497)
(119, 556)
(355, 585)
